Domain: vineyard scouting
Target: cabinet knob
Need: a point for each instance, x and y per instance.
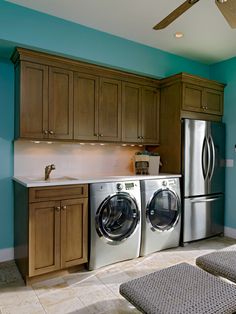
(95, 134)
(101, 135)
(64, 207)
(45, 132)
(57, 208)
(51, 132)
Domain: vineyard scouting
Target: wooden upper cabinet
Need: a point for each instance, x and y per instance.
(202, 99)
(131, 112)
(44, 102)
(192, 97)
(213, 101)
(60, 103)
(32, 100)
(85, 106)
(109, 110)
(150, 115)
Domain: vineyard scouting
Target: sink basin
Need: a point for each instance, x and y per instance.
(58, 179)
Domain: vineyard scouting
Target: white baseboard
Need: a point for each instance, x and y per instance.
(6, 254)
(230, 232)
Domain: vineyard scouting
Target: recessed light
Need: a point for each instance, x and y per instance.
(178, 35)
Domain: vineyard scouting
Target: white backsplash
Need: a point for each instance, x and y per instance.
(73, 159)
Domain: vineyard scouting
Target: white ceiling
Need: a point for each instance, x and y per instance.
(207, 36)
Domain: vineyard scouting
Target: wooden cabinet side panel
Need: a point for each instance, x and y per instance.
(33, 100)
(109, 112)
(170, 129)
(131, 107)
(74, 234)
(60, 103)
(150, 115)
(44, 238)
(85, 106)
(21, 228)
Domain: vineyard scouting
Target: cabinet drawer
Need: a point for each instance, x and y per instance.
(57, 192)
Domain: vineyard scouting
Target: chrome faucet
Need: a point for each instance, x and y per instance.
(48, 170)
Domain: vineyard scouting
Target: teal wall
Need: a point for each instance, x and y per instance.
(226, 72)
(27, 28)
(6, 152)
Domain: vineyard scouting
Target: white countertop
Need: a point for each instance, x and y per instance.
(71, 180)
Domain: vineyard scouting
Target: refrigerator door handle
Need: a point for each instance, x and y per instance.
(204, 200)
(213, 158)
(205, 158)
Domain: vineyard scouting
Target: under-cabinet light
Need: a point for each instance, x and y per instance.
(36, 142)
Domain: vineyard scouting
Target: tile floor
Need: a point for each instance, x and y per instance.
(89, 292)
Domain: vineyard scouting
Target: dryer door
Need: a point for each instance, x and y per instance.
(163, 211)
(117, 218)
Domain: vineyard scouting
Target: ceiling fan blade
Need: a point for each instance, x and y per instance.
(228, 9)
(175, 14)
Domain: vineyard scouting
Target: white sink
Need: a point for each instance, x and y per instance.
(58, 179)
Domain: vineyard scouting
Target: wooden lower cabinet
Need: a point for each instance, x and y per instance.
(50, 235)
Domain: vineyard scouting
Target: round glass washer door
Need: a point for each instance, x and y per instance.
(117, 217)
(163, 210)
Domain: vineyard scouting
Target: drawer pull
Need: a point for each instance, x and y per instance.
(64, 207)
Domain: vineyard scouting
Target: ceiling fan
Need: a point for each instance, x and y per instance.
(226, 7)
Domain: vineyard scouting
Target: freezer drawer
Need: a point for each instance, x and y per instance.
(203, 217)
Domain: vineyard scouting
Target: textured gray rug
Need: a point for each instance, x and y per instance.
(9, 273)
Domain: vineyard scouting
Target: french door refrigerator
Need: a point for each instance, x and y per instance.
(203, 163)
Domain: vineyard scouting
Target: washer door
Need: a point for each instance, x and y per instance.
(163, 211)
(117, 218)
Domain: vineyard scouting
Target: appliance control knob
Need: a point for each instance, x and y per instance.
(164, 183)
(119, 186)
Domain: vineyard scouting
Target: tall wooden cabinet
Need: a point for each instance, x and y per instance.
(51, 228)
(185, 96)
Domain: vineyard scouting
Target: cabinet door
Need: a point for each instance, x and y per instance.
(192, 98)
(131, 112)
(33, 105)
(213, 101)
(109, 112)
(85, 106)
(44, 237)
(60, 103)
(74, 232)
(150, 115)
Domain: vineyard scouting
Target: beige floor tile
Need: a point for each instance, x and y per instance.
(71, 305)
(17, 296)
(26, 308)
(56, 297)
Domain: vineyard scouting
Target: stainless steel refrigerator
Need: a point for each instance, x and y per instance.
(203, 154)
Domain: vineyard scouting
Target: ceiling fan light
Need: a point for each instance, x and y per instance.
(222, 1)
(178, 35)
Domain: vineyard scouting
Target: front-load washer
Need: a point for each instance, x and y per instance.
(161, 214)
(115, 222)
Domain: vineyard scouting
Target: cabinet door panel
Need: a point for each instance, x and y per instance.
(74, 226)
(150, 115)
(44, 238)
(60, 103)
(109, 115)
(192, 98)
(33, 100)
(131, 112)
(85, 106)
(213, 101)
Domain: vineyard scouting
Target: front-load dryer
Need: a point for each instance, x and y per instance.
(115, 222)
(161, 214)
